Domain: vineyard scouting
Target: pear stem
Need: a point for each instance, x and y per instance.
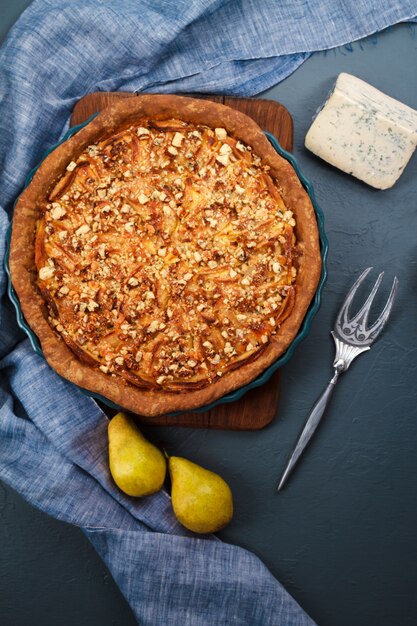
(165, 453)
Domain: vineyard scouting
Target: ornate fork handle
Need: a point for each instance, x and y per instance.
(344, 357)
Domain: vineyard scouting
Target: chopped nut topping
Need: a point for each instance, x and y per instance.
(225, 149)
(46, 272)
(177, 140)
(220, 133)
(171, 266)
(143, 199)
(82, 230)
(142, 131)
(92, 305)
(223, 159)
(57, 212)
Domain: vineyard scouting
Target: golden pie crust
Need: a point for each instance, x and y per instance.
(165, 254)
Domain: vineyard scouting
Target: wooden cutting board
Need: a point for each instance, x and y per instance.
(258, 407)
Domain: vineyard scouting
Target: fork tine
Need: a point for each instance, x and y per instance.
(376, 329)
(362, 315)
(343, 317)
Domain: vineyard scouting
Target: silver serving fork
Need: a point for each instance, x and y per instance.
(352, 337)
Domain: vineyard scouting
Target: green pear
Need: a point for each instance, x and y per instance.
(202, 500)
(137, 466)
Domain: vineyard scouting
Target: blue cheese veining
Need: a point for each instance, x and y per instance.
(364, 132)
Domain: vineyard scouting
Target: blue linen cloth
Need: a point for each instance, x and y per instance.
(53, 439)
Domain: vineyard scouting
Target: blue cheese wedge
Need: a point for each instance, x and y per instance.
(364, 132)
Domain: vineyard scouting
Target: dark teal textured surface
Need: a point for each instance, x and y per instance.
(341, 537)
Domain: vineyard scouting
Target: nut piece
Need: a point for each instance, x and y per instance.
(57, 212)
(225, 149)
(46, 272)
(153, 326)
(223, 159)
(220, 133)
(177, 140)
(143, 199)
(83, 230)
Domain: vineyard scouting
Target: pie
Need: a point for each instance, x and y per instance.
(165, 254)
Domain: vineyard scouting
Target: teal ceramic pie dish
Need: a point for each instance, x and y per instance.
(268, 372)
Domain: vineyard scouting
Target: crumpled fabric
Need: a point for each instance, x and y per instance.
(53, 438)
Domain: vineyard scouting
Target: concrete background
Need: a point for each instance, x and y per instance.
(341, 537)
